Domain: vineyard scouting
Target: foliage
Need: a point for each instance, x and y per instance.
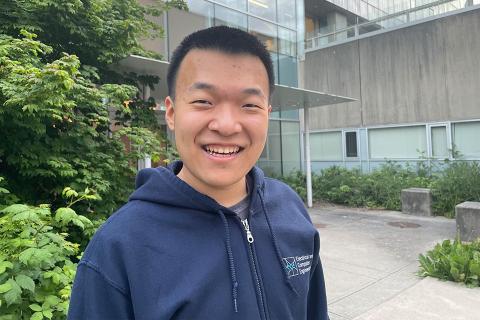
(99, 32)
(36, 271)
(451, 183)
(454, 261)
(55, 128)
(458, 182)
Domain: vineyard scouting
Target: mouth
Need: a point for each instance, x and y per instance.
(222, 151)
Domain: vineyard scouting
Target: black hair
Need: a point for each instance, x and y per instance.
(224, 39)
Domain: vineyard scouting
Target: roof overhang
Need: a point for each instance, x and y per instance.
(284, 98)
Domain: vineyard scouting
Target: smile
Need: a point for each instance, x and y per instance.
(222, 151)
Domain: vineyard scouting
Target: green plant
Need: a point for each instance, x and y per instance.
(55, 124)
(458, 182)
(454, 261)
(36, 268)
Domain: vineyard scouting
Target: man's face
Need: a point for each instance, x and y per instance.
(220, 117)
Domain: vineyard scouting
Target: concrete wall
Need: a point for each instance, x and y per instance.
(422, 73)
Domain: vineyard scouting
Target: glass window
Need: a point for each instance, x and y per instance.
(287, 70)
(290, 146)
(397, 143)
(199, 17)
(265, 31)
(326, 146)
(439, 142)
(263, 8)
(351, 150)
(271, 159)
(227, 17)
(236, 4)
(286, 42)
(286, 13)
(465, 139)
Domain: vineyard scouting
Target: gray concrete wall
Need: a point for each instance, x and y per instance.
(422, 73)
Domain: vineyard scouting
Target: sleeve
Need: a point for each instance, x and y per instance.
(94, 297)
(317, 297)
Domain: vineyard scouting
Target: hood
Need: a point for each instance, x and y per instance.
(161, 185)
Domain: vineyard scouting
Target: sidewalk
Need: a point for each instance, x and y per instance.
(370, 264)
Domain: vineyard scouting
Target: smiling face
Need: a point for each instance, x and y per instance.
(220, 120)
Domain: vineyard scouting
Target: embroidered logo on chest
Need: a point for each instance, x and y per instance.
(298, 265)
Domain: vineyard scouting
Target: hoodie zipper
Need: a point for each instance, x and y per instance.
(250, 240)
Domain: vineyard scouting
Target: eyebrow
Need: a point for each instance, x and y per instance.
(211, 87)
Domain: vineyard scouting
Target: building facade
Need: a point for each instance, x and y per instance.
(279, 24)
(411, 65)
(416, 81)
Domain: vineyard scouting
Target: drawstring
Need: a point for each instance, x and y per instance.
(231, 261)
(274, 240)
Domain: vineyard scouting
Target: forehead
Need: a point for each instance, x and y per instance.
(221, 69)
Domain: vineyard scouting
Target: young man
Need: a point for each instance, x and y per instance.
(209, 237)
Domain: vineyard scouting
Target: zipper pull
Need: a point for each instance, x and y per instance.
(247, 230)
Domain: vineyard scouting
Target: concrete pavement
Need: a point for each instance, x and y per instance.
(370, 260)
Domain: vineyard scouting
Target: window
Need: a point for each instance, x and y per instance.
(465, 139)
(286, 13)
(263, 8)
(227, 17)
(397, 143)
(326, 146)
(439, 142)
(265, 31)
(351, 149)
(290, 146)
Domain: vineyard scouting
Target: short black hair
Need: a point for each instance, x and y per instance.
(224, 39)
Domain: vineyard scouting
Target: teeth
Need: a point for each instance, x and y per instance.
(221, 150)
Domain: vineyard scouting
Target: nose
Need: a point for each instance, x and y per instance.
(226, 121)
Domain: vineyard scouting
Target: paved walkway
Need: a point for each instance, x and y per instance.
(370, 260)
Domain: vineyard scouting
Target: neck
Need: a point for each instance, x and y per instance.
(227, 196)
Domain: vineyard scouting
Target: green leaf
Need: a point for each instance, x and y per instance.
(25, 282)
(65, 215)
(34, 256)
(16, 208)
(14, 294)
(3, 190)
(37, 316)
(4, 265)
(48, 313)
(51, 301)
(5, 287)
(35, 307)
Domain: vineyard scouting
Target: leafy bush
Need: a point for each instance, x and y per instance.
(36, 268)
(451, 183)
(458, 182)
(457, 261)
(55, 126)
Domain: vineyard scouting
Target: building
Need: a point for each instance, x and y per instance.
(413, 67)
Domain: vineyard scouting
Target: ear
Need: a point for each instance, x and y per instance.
(269, 109)
(170, 113)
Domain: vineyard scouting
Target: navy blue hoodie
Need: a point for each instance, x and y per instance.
(174, 253)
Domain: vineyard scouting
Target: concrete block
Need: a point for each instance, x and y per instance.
(417, 201)
(468, 220)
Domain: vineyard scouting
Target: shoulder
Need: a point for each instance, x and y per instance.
(277, 188)
(120, 232)
(281, 197)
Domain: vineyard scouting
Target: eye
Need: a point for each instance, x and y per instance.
(201, 102)
(251, 106)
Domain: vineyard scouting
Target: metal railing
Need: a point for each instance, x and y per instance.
(388, 21)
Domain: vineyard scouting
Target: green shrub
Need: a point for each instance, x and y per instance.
(457, 261)
(458, 182)
(36, 268)
(297, 181)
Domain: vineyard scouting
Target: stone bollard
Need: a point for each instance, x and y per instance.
(468, 220)
(417, 201)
